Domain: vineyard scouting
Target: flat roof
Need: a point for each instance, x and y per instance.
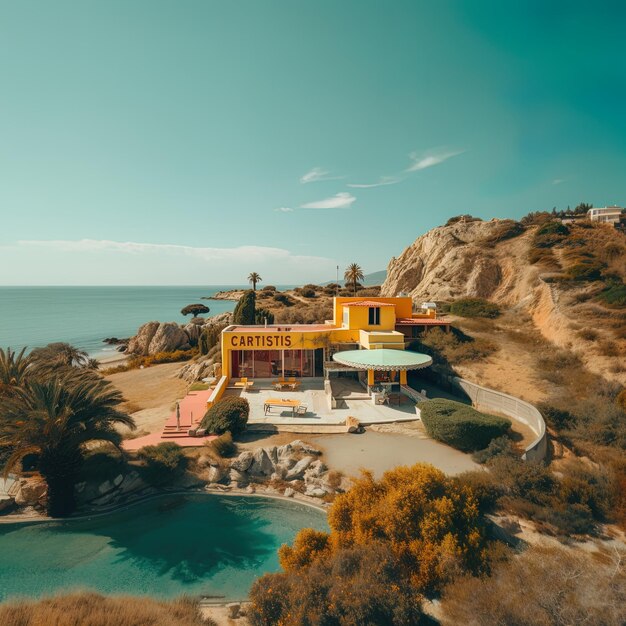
(421, 321)
(279, 328)
(383, 359)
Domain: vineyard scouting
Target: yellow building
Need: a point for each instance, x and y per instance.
(307, 350)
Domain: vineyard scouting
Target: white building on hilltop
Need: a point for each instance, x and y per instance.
(607, 215)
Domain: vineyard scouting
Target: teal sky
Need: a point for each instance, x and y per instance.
(193, 141)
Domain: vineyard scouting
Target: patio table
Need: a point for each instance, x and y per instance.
(281, 402)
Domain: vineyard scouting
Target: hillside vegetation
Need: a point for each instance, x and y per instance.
(569, 280)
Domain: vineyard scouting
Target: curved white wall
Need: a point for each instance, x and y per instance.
(490, 400)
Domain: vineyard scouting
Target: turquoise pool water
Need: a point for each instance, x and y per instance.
(205, 545)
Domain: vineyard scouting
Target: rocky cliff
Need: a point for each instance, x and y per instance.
(527, 272)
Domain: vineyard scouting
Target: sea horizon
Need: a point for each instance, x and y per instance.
(84, 315)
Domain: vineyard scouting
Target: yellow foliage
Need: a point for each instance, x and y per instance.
(428, 520)
(308, 546)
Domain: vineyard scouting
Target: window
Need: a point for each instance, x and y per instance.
(374, 318)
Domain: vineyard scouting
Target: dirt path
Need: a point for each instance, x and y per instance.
(150, 394)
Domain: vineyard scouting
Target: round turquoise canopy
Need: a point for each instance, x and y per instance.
(383, 360)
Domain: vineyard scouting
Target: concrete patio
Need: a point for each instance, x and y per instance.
(351, 399)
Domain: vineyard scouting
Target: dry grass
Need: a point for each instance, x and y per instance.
(92, 609)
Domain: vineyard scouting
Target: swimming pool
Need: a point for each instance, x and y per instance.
(200, 545)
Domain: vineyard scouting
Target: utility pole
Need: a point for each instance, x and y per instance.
(337, 283)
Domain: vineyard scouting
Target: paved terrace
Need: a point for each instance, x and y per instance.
(352, 400)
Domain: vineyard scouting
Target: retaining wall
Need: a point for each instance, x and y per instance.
(495, 401)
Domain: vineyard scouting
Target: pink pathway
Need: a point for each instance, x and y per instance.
(192, 410)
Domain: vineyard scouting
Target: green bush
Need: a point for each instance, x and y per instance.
(474, 307)
(497, 447)
(586, 271)
(460, 425)
(162, 463)
(283, 298)
(263, 315)
(223, 446)
(245, 309)
(614, 294)
(269, 288)
(230, 414)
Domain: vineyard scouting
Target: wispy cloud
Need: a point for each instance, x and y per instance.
(284, 209)
(558, 181)
(382, 181)
(318, 174)
(428, 159)
(139, 248)
(343, 200)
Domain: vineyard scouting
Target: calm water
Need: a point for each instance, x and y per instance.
(198, 545)
(84, 316)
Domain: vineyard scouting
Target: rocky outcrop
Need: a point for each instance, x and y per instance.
(154, 337)
(453, 261)
(294, 463)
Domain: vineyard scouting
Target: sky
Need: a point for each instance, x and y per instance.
(194, 141)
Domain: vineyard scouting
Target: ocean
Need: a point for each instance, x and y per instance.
(84, 316)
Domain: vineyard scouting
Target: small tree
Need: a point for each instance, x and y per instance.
(254, 278)
(163, 462)
(195, 309)
(244, 313)
(263, 315)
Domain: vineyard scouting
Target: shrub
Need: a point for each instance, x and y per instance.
(283, 298)
(210, 337)
(614, 294)
(230, 414)
(269, 288)
(460, 425)
(262, 316)
(555, 417)
(586, 271)
(588, 334)
(162, 463)
(245, 309)
(97, 610)
(485, 488)
(425, 518)
(620, 400)
(498, 446)
(357, 585)
(306, 292)
(474, 307)
(223, 446)
(560, 586)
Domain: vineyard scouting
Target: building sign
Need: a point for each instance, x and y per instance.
(261, 341)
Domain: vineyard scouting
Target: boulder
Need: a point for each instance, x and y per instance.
(117, 481)
(289, 492)
(316, 469)
(193, 330)
(284, 452)
(352, 424)
(250, 489)
(262, 464)
(239, 478)
(279, 473)
(140, 343)
(216, 473)
(243, 462)
(105, 487)
(233, 610)
(315, 492)
(168, 337)
(305, 448)
(297, 471)
(132, 482)
(30, 492)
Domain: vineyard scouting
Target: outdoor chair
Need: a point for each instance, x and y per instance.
(301, 410)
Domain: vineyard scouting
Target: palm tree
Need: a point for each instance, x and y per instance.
(13, 371)
(353, 274)
(254, 278)
(54, 419)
